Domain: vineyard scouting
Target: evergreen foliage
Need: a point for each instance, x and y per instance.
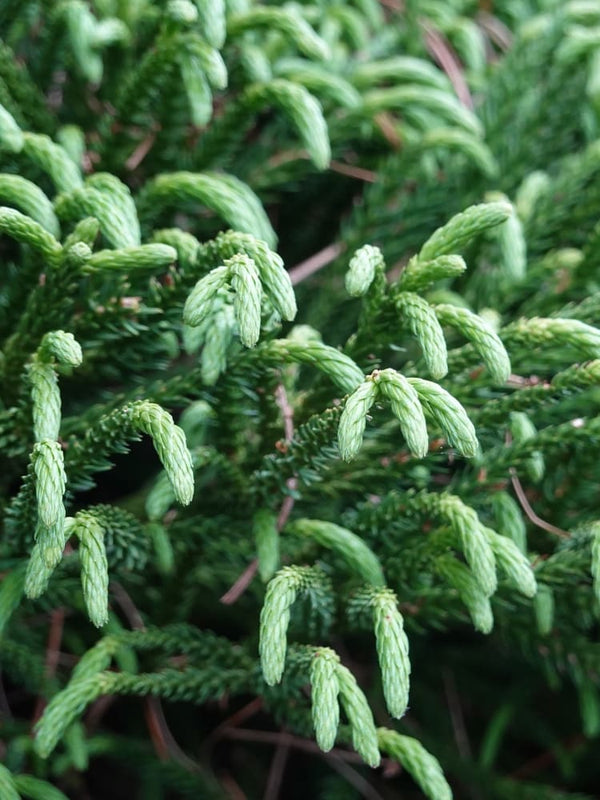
(348, 509)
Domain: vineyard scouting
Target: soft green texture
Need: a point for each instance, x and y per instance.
(228, 544)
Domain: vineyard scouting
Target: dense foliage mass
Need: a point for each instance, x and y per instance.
(331, 531)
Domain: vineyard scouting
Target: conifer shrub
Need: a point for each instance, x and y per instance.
(299, 399)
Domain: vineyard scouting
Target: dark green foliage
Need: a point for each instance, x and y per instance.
(441, 162)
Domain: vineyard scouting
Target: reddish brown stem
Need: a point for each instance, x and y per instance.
(495, 29)
(165, 744)
(241, 584)
(141, 151)
(522, 498)
(244, 713)
(315, 263)
(366, 175)
(275, 778)
(440, 49)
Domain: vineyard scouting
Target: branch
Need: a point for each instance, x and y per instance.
(360, 173)
(247, 576)
(163, 740)
(276, 771)
(315, 263)
(546, 526)
(440, 49)
(239, 587)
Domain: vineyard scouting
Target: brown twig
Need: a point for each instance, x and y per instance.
(297, 742)
(128, 607)
(315, 263)
(389, 128)
(520, 381)
(440, 49)
(276, 771)
(141, 151)
(241, 715)
(154, 724)
(287, 412)
(360, 173)
(546, 759)
(232, 788)
(456, 715)
(287, 505)
(495, 29)
(522, 498)
(337, 758)
(57, 619)
(97, 710)
(354, 778)
(163, 740)
(241, 584)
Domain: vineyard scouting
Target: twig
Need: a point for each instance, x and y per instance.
(247, 576)
(287, 505)
(521, 496)
(154, 725)
(57, 619)
(519, 381)
(241, 584)
(362, 785)
(440, 49)
(232, 787)
(337, 758)
(276, 772)
(456, 715)
(388, 127)
(97, 710)
(495, 29)
(241, 715)
(172, 748)
(315, 263)
(457, 718)
(141, 151)
(546, 759)
(297, 742)
(360, 173)
(287, 412)
(163, 740)
(128, 607)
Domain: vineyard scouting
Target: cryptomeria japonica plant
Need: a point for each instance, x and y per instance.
(327, 531)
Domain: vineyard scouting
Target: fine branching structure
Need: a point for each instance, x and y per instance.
(299, 399)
